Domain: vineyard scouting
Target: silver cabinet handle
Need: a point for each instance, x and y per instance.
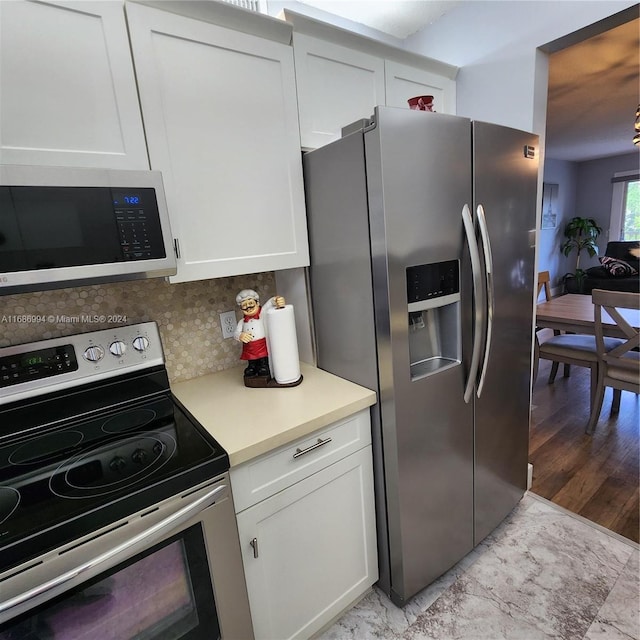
(137, 542)
(488, 264)
(475, 271)
(300, 452)
(254, 544)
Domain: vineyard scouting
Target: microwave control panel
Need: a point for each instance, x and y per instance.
(138, 228)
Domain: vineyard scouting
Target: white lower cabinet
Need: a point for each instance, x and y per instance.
(309, 550)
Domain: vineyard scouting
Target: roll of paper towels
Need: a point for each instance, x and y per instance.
(283, 345)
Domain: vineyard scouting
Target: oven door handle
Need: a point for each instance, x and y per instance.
(142, 539)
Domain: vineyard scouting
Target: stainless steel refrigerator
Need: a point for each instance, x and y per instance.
(422, 231)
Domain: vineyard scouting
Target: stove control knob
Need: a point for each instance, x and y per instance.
(139, 456)
(140, 343)
(117, 464)
(94, 354)
(118, 348)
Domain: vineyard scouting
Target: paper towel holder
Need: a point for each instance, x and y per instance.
(253, 334)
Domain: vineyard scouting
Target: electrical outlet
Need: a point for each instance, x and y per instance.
(228, 323)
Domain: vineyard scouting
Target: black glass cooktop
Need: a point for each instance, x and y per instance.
(58, 484)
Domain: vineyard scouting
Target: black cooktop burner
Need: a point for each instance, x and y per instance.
(113, 466)
(134, 419)
(9, 500)
(46, 448)
(88, 472)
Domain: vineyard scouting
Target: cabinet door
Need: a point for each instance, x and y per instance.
(316, 549)
(404, 82)
(336, 86)
(220, 114)
(68, 90)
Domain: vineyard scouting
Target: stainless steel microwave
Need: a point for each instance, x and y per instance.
(63, 227)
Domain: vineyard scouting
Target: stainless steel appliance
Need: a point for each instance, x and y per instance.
(63, 227)
(421, 228)
(116, 516)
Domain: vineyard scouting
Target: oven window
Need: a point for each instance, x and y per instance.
(164, 593)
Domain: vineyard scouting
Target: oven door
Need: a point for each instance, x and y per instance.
(169, 572)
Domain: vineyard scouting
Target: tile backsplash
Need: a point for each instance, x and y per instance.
(187, 315)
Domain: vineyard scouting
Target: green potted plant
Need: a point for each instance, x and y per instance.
(581, 234)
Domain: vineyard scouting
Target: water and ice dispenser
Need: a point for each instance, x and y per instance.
(433, 295)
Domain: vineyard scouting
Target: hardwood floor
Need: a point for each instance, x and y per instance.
(594, 476)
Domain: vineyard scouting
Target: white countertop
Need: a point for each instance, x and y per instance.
(248, 422)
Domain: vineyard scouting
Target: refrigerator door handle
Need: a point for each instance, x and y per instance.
(488, 262)
(477, 329)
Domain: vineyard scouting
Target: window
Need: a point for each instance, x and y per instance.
(631, 213)
(625, 207)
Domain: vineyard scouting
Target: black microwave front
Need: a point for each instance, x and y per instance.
(62, 227)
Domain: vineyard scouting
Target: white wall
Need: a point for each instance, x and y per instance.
(503, 77)
(594, 191)
(564, 174)
(584, 189)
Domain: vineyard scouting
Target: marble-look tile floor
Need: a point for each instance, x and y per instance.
(543, 573)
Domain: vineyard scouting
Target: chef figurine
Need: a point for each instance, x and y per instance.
(251, 331)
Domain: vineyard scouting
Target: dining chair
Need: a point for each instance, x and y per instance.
(577, 349)
(569, 348)
(544, 280)
(619, 367)
(544, 283)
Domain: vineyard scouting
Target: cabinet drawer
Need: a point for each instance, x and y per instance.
(260, 478)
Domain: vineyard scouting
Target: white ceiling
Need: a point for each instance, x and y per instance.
(399, 18)
(593, 85)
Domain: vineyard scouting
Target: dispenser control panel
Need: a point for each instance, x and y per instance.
(428, 281)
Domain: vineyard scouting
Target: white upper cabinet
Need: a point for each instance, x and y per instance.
(336, 86)
(342, 76)
(221, 121)
(68, 94)
(404, 81)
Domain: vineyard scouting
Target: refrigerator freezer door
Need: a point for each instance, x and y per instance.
(505, 184)
(340, 273)
(341, 291)
(418, 181)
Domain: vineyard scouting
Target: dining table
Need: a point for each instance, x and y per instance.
(574, 313)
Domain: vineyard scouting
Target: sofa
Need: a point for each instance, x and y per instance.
(618, 270)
